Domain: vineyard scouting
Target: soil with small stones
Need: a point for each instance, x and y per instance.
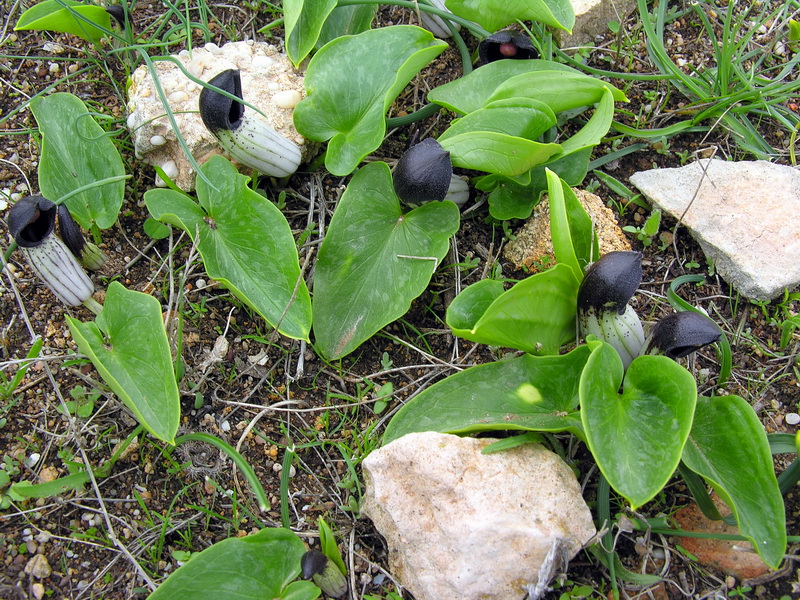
(122, 535)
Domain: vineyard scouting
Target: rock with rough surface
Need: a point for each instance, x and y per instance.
(461, 525)
(592, 18)
(532, 246)
(734, 558)
(269, 82)
(741, 213)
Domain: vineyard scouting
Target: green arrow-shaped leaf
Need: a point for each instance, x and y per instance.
(246, 243)
(636, 437)
(76, 152)
(263, 565)
(351, 83)
(536, 315)
(52, 15)
(728, 447)
(471, 92)
(128, 346)
(375, 260)
(537, 393)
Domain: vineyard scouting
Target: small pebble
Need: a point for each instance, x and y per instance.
(170, 168)
(37, 589)
(200, 284)
(38, 567)
(178, 97)
(158, 140)
(225, 426)
(792, 418)
(287, 98)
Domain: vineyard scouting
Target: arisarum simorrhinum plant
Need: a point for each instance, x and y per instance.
(324, 573)
(506, 44)
(603, 309)
(249, 141)
(32, 222)
(423, 173)
(679, 334)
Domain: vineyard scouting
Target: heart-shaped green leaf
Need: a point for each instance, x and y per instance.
(728, 447)
(496, 14)
(375, 260)
(350, 85)
(263, 565)
(245, 243)
(537, 393)
(537, 315)
(76, 152)
(560, 90)
(52, 15)
(303, 21)
(471, 92)
(128, 346)
(636, 436)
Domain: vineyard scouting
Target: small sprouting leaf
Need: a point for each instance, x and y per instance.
(76, 152)
(536, 393)
(375, 260)
(496, 14)
(64, 16)
(350, 85)
(652, 223)
(262, 565)
(327, 541)
(128, 345)
(627, 432)
(245, 242)
(155, 229)
(537, 315)
(725, 435)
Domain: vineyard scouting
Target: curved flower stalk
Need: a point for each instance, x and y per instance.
(324, 573)
(249, 141)
(88, 254)
(603, 309)
(506, 44)
(679, 334)
(32, 222)
(424, 173)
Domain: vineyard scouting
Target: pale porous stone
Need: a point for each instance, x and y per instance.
(743, 214)
(532, 246)
(269, 82)
(461, 525)
(591, 19)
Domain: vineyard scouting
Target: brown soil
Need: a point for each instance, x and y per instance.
(120, 537)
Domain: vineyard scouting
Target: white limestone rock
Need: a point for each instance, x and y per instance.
(465, 526)
(743, 214)
(269, 81)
